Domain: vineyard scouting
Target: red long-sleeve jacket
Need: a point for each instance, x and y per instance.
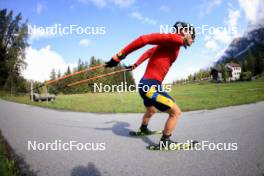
(160, 57)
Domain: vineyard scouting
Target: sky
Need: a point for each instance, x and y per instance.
(111, 24)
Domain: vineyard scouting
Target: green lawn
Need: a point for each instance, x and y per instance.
(7, 166)
(188, 97)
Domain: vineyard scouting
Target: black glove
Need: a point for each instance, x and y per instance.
(114, 61)
(111, 63)
(131, 67)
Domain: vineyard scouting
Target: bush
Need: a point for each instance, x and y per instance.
(246, 76)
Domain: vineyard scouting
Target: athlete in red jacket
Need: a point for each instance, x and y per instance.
(161, 57)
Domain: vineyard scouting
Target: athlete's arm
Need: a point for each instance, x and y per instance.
(142, 58)
(145, 56)
(153, 39)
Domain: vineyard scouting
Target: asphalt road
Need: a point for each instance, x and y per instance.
(115, 153)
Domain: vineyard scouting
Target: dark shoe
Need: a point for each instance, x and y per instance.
(167, 144)
(145, 131)
(167, 141)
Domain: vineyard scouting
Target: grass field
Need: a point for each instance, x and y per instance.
(7, 166)
(189, 97)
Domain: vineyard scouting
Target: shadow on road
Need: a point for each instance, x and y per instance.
(122, 129)
(90, 169)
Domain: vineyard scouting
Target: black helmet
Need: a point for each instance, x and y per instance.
(179, 25)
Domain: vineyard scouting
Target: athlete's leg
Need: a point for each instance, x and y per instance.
(174, 114)
(150, 111)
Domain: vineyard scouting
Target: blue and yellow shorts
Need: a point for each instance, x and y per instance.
(153, 94)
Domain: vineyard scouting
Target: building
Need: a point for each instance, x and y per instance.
(235, 71)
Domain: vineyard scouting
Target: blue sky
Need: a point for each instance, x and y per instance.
(124, 20)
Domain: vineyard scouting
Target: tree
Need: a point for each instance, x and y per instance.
(246, 76)
(80, 65)
(13, 41)
(190, 78)
(259, 59)
(68, 71)
(53, 74)
(244, 65)
(251, 62)
(224, 72)
(59, 74)
(93, 61)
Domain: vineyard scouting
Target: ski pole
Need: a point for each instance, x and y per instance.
(66, 76)
(73, 74)
(96, 77)
(41, 85)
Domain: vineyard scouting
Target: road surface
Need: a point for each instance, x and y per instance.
(115, 153)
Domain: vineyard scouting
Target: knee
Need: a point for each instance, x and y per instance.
(175, 112)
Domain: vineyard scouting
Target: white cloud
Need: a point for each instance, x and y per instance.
(85, 42)
(219, 37)
(164, 8)
(253, 10)
(211, 5)
(224, 36)
(123, 3)
(38, 34)
(39, 8)
(211, 44)
(219, 54)
(104, 3)
(233, 16)
(207, 7)
(250, 8)
(97, 3)
(41, 62)
(143, 19)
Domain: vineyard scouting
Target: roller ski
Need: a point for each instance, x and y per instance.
(144, 132)
(168, 145)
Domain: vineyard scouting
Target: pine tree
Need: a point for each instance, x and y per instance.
(59, 74)
(68, 71)
(224, 72)
(80, 65)
(251, 62)
(53, 74)
(244, 65)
